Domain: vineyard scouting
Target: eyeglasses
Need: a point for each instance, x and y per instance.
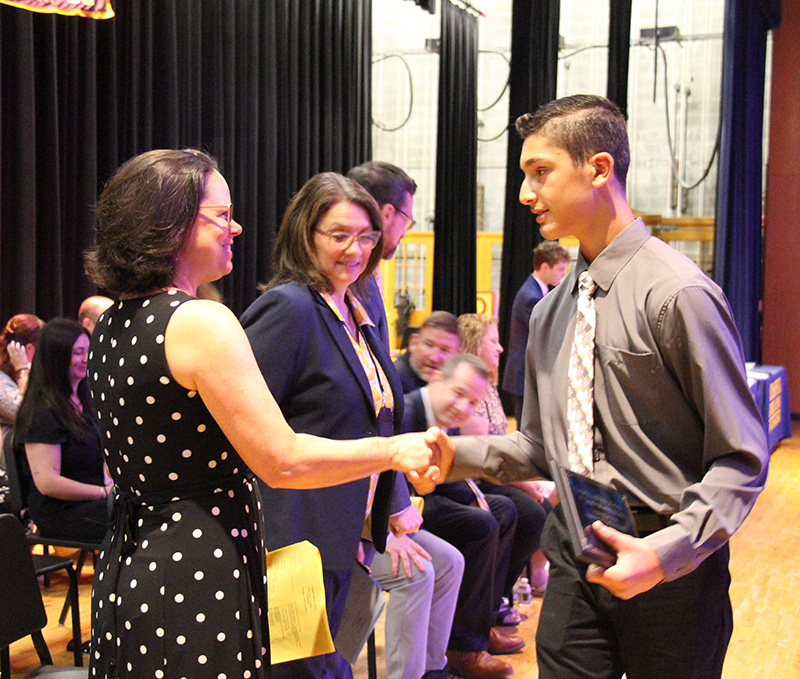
(411, 221)
(228, 216)
(343, 240)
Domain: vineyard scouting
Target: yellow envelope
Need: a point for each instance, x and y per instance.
(298, 622)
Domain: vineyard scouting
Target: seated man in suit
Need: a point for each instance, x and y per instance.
(550, 262)
(435, 342)
(482, 527)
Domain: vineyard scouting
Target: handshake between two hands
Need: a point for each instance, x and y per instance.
(426, 459)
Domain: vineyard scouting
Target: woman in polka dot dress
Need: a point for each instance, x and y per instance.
(184, 416)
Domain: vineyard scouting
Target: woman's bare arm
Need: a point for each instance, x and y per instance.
(208, 351)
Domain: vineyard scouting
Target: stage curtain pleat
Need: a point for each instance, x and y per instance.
(737, 236)
(619, 48)
(454, 259)
(534, 68)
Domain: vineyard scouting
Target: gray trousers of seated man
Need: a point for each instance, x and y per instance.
(419, 614)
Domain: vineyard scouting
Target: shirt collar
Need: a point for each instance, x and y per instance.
(542, 286)
(359, 312)
(614, 257)
(430, 420)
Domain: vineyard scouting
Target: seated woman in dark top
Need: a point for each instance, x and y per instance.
(56, 422)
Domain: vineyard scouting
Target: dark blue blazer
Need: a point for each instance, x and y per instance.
(414, 413)
(410, 380)
(314, 374)
(373, 303)
(414, 420)
(514, 372)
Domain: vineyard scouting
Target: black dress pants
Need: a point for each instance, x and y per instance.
(485, 539)
(531, 517)
(677, 630)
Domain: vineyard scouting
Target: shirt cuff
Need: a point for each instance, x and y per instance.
(675, 551)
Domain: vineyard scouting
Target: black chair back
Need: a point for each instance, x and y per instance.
(21, 609)
(18, 483)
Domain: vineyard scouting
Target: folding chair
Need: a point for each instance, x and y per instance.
(17, 502)
(22, 611)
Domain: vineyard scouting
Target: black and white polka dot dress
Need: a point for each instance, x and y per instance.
(180, 585)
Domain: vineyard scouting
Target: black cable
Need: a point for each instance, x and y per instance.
(582, 49)
(673, 161)
(497, 136)
(508, 79)
(380, 126)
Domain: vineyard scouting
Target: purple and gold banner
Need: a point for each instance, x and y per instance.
(97, 9)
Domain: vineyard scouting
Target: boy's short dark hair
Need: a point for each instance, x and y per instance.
(582, 125)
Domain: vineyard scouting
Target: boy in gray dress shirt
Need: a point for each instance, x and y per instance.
(675, 427)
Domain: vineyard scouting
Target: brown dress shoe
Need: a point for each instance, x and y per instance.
(477, 665)
(500, 644)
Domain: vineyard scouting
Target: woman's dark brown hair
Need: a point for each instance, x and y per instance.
(144, 216)
(49, 384)
(294, 258)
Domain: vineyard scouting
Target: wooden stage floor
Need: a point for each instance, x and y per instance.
(765, 555)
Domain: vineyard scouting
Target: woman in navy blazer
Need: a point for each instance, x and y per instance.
(315, 346)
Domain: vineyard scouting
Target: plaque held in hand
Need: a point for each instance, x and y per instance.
(585, 501)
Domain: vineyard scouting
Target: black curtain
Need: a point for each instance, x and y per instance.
(454, 256)
(324, 82)
(619, 48)
(276, 91)
(534, 67)
(737, 238)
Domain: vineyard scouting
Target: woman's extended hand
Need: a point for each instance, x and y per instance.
(444, 452)
(422, 454)
(411, 453)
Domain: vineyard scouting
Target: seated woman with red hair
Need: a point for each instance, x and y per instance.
(17, 343)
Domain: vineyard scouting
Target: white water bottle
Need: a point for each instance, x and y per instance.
(524, 594)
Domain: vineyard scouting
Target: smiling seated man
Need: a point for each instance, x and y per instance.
(436, 341)
(482, 527)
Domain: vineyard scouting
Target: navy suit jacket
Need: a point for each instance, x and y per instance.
(414, 413)
(514, 372)
(314, 374)
(414, 420)
(411, 381)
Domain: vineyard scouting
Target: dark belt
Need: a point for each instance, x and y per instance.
(647, 521)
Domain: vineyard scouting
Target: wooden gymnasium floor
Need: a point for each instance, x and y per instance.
(766, 581)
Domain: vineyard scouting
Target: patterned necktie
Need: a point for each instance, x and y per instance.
(480, 498)
(580, 394)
